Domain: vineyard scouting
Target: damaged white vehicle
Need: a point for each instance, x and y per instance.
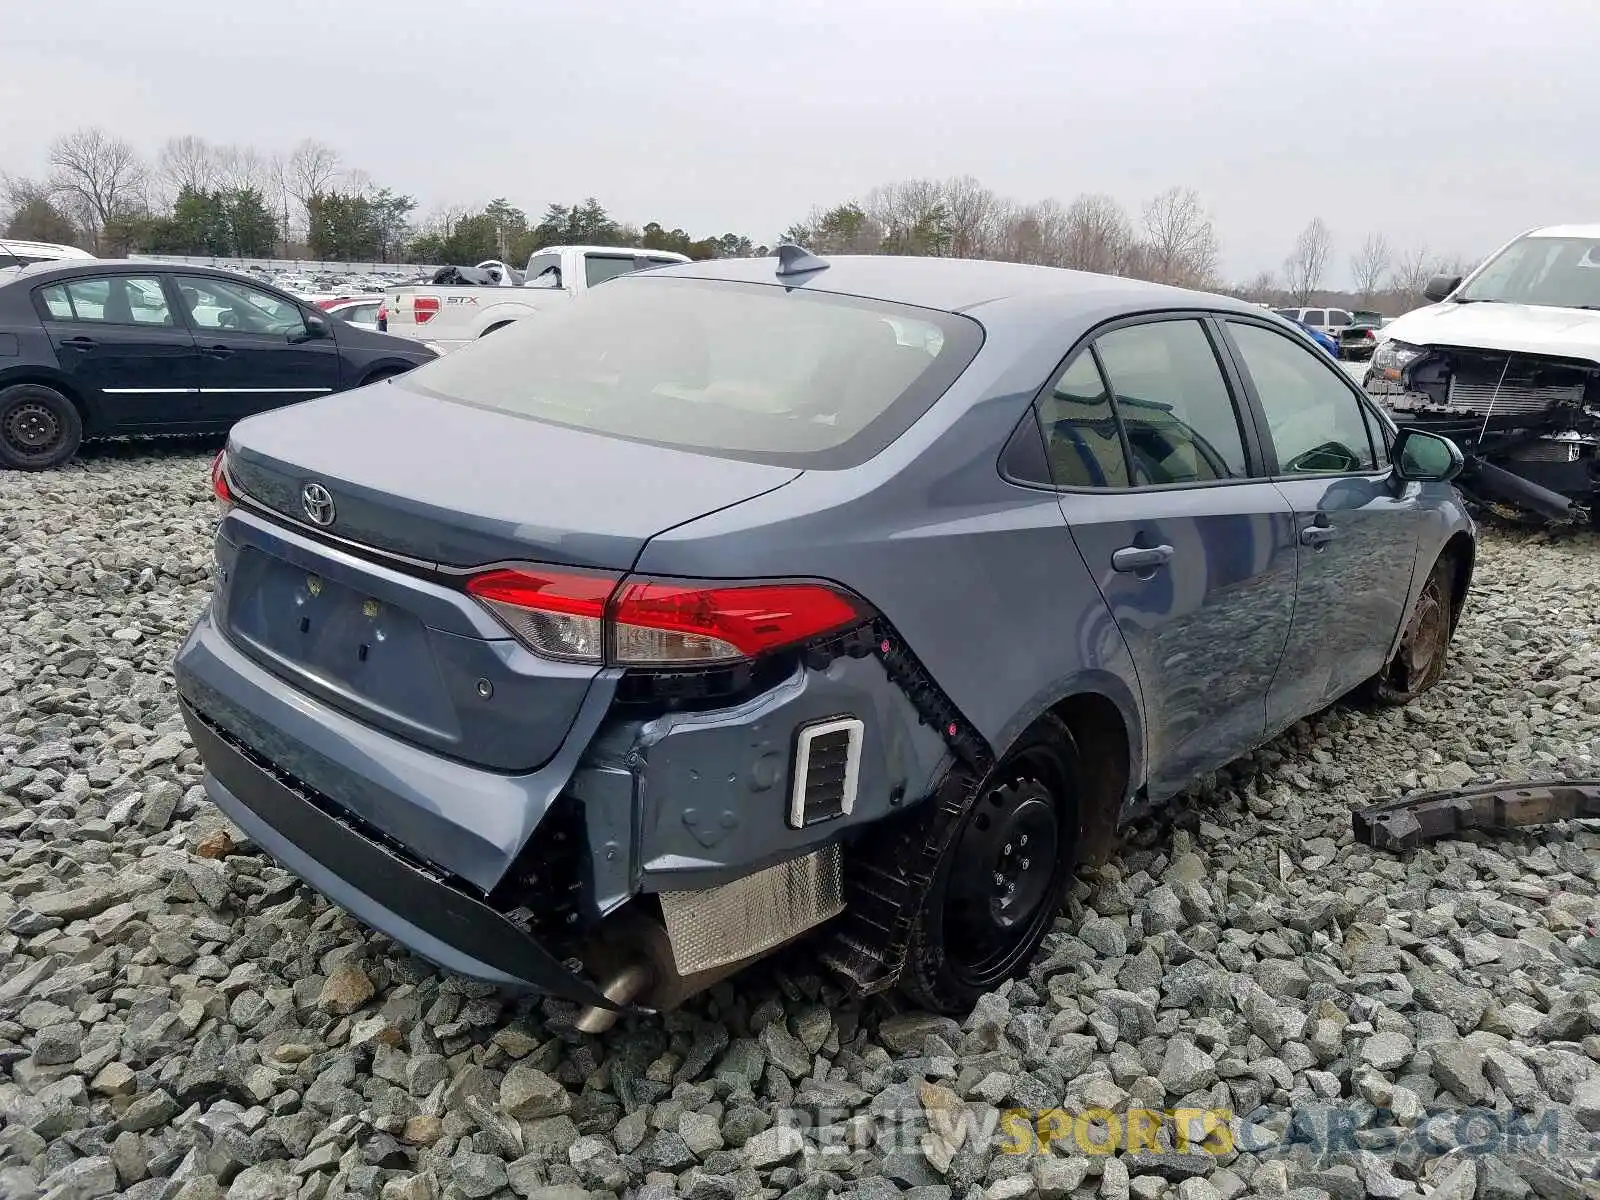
(1506, 363)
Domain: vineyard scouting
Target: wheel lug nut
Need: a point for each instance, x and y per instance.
(1008, 847)
(1023, 840)
(1025, 864)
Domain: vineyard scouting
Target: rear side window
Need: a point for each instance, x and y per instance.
(597, 268)
(1174, 404)
(109, 300)
(1081, 437)
(1314, 316)
(748, 371)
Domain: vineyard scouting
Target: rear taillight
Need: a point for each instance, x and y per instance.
(657, 623)
(424, 309)
(219, 481)
(593, 618)
(556, 614)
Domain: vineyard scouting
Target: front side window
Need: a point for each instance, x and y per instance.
(223, 305)
(1081, 437)
(749, 371)
(1315, 421)
(1338, 318)
(1314, 316)
(1174, 404)
(108, 299)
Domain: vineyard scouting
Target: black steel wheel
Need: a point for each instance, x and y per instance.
(39, 427)
(1419, 661)
(1004, 874)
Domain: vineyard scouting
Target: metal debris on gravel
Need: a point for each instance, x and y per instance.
(179, 1017)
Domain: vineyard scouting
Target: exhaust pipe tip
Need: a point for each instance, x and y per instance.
(621, 989)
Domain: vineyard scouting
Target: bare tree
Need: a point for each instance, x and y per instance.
(1033, 233)
(975, 215)
(357, 182)
(1369, 264)
(99, 178)
(1263, 288)
(1097, 235)
(186, 162)
(1303, 269)
(1180, 241)
(1412, 269)
(243, 167)
(311, 167)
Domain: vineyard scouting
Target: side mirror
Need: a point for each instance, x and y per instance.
(1426, 457)
(316, 327)
(1441, 286)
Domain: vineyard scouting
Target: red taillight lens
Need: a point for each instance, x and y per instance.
(658, 623)
(424, 308)
(556, 614)
(574, 617)
(219, 480)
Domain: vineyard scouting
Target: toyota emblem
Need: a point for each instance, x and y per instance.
(318, 503)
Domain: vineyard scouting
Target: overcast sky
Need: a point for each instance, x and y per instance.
(1457, 124)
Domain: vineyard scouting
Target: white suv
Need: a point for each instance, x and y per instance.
(14, 252)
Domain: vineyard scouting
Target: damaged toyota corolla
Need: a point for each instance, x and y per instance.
(746, 600)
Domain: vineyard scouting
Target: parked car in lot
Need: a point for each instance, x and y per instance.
(741, 599)
(106, 348)
(15, 252)
(449, 316)
(361, 311)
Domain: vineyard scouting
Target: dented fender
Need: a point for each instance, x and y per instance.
(695, 799)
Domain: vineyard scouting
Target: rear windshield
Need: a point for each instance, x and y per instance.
(749, 371)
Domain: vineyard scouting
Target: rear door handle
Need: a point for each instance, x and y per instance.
(80, 343)
(217, 351)
(1132, 559)
(1318, 536)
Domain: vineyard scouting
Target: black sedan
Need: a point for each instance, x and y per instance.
(115, 348)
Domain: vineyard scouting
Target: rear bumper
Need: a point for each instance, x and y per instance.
(416, 907)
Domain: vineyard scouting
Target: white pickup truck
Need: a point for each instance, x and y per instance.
(448, 316)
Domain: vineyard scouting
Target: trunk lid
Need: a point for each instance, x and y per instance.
(450, 484)
(394, 641)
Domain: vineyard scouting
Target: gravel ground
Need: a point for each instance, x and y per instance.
(179, 1017)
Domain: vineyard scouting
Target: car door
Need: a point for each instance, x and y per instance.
(255, 349)
(119, 343)
(1358, 524)
(1192, 551)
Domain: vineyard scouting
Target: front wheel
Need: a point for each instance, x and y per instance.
(39, 427)
(1003, 876)
(1419, 661)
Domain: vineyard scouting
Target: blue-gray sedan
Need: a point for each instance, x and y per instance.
(741, 600)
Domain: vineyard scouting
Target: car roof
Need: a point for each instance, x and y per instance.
(612, 252)
(958, 284)
(112, 266)
(1566, 231)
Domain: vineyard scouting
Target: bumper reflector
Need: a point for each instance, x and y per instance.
(715, 926)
